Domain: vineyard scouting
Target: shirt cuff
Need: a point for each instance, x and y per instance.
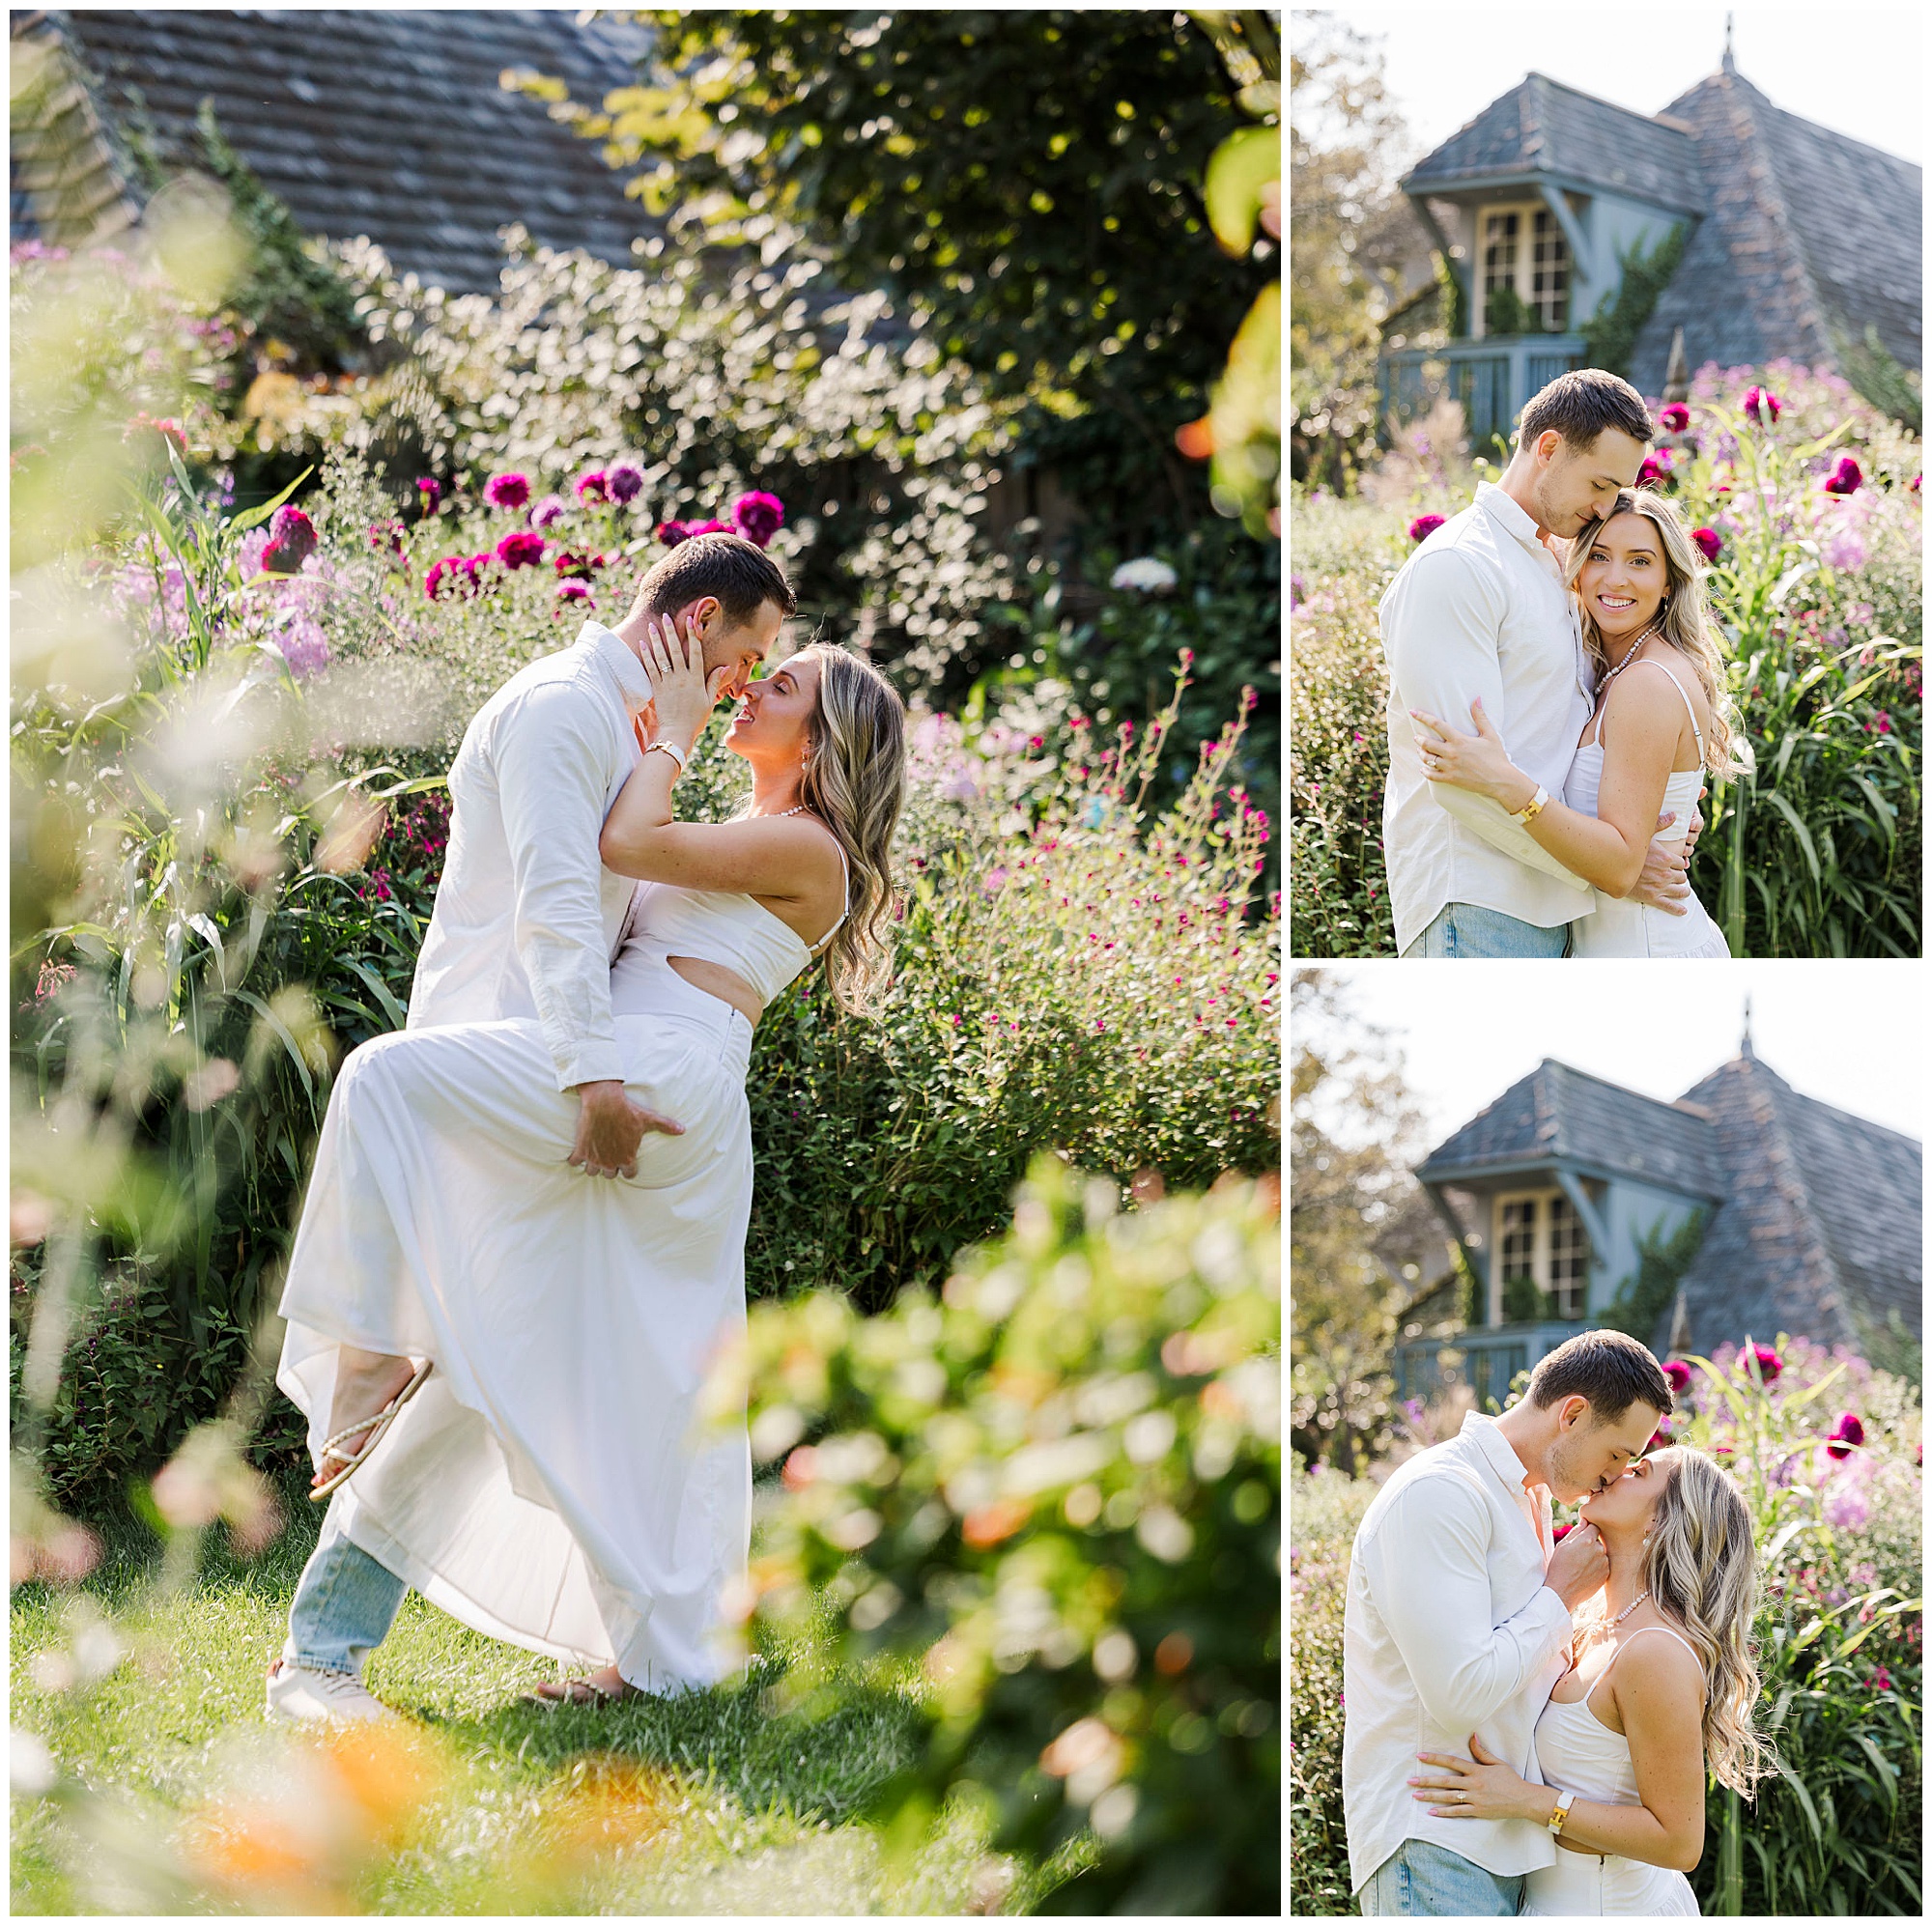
(595, 1063)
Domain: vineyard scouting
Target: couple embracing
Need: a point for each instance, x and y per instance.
(524, 1238)
(1529, 1723)
(1557, 693)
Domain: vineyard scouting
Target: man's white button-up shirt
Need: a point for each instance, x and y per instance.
(527, 917)
(1448, 1629)
(1480, 609)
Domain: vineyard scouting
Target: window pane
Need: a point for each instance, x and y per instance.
(1517, 1247)
(1499, 239)
(1568, 1257)
(1550, 273)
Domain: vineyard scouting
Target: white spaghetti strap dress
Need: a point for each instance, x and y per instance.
(552, 1484)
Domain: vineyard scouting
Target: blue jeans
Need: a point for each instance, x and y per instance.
(344, 1607)
(1466, 929)
(1420, 1879)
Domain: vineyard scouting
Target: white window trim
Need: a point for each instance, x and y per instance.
(1523, 269)
(1542, 1199)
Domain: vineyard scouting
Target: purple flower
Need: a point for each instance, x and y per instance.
(510, 491)
(1424, 527)
(1769, 1363)
(292, 540)
(304, 648)
(672, 533)
(1677, 1375)
(569, 593)
(593, 486)
(1845, 478)
(549, 509)
(521, 549)
(1845, 1433)
(758, 516)
(1710, 541)
(625, 480)
(1757, 399)
(1673, 417)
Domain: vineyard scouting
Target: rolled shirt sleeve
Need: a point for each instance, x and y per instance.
(1440, 638)
(1463, 1667)
(551, 757)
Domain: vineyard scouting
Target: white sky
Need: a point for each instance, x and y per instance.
(1859, 71)
(1852, 1034)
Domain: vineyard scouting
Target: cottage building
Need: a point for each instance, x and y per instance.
(1774, 1212)
(1797, 241)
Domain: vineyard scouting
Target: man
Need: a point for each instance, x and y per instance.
(1480, 610)
(526, 924)
(1458, 1619)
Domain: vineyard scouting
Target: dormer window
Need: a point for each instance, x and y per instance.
(1540, 1240)
(1526, 270)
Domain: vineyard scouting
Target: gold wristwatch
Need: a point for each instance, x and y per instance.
(1561, 1813)
(1532, 808)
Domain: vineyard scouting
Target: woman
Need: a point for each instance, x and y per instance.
(1658, 1693)
(1663, 716)
(551, 1480)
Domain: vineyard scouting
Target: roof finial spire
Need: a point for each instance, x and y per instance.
(1730, 65)
(1745, 1048)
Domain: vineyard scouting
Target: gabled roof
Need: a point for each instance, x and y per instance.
(382, 122)
(1810, 235)
(1541, 126)
(1557, 1113)
(1820, 1232)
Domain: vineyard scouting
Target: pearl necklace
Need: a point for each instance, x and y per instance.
(1631, 656)
(1598, 1629)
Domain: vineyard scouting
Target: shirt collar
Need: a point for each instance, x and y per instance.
(621, 659)
(1497, 1449)
(1513, 518)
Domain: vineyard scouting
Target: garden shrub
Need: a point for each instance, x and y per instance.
(1058, 1487)
(1840, 1637)
(1815, 853)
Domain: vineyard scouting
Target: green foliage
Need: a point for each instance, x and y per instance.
(1609, 335)
(1877, 374)
(1524, 1302)
(1838, 1635)
(1059, 1487)
(1815, 853)
(1661, 1259)
(1064, 252)
(1506, 313)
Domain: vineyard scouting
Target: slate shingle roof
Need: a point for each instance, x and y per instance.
(1542, 126)
(1819, 1233)
(1810, 238)
(386, 123)
(1557, 1112)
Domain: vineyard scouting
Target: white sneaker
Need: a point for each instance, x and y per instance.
(296, 1692)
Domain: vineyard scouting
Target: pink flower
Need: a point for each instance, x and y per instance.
(509, 491)
(1845, 1433)
(456, 573)
(672, 533)
(1757, 399)
(1845, 478)
(521, 549)
(593, 486)
(625, 480)
(1769, 1363)
(431, 491)
(1673, 417)
(292, 540)
(1710, 541)
(1424, 527)
(757, 517)
(569, 565)
(1561, 1533)
(1882, 722)
(549, 509)
(1677, 1375)
(570, 593)
(386, 534)
(1660, 1437)
(1655, 468)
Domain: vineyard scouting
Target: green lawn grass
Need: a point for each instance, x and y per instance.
(755, 1807)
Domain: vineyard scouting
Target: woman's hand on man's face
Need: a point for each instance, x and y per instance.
(682, 695)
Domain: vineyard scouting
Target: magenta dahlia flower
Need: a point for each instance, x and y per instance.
(1424, 527)
(430, 491)
(672, 533)
(595, 486)
(1769, 1363)
(1677, 1375)
(1710, 541)
(386, 534)
(1847, 1432)
(574, 591)
(758, 516)
(510, 491)
(625, 480)
(292, 540)
(521, 549)
(1761, 405)
(575, 567)
(1673, 417)
(1845, 478)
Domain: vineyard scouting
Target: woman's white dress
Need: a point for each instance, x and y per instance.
(555, 1483)
(1578, 1753)
(1617, 926)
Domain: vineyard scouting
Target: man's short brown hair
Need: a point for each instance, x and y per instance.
(1612, 1371)
(737, 572)
(1579, 406)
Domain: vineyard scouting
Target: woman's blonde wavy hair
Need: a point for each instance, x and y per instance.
(854, 781)
(1685, 623)
(1700, 1569)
